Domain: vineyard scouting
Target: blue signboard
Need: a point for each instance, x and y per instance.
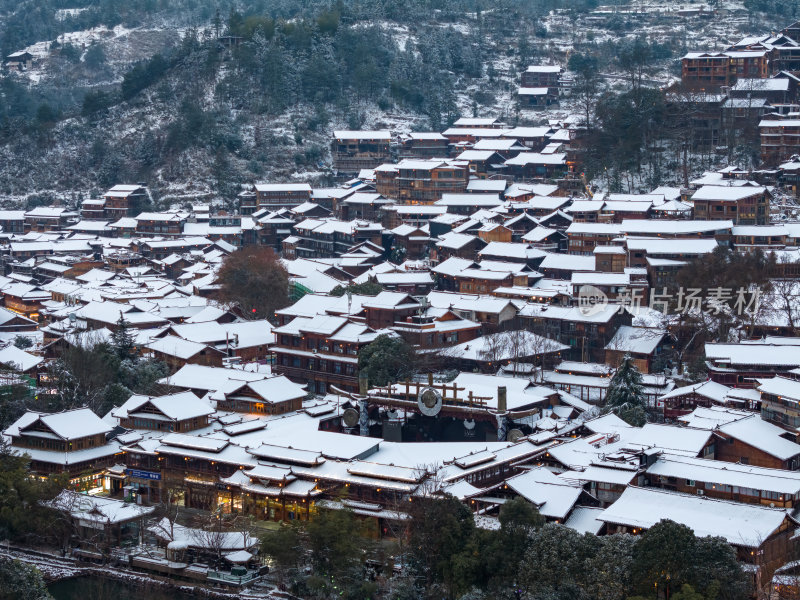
(142, 474)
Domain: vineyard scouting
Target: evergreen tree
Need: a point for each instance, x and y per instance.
(122, 340)
(21, 581)
(625, 396)
(368, 288)
(387, 360)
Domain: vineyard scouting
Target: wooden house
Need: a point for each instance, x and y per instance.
(72, 442)
(274, 196)
(176, 352)
(356, 150)
(19, 61)
(181, 412)
(124, 200)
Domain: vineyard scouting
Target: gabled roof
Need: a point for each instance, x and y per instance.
(67, 425)
(283, 187)
(177, 407)
(178, 347)
(727, 193)
(746, 525)
(781, 387)
(11, 355)
(553, 496)
(764, 436)
(637, 340)
(277, 389)
(213, 379)
(708, 389)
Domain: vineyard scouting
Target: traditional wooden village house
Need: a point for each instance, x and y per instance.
(18, 61)
(181, 412)
(744, 205)
(176, 352)
(274, 196)
(322, 351)
(356, 150)
(72, 442)
(423, 144)
(780, 139)
(124, 200)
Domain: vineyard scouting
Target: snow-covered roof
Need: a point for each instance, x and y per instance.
(226, 541)
(277, 389)
(567, 262)
(726, 473)
(726, 192)
(67, 425)
(544, 69)
(664, 226)
(621, 476)
(671, 246)
(775, 84)
(50, 211)
(553, 496)
(637, 340)
(782, 387)
(747, 525)
(475, 121)
(23, 361)
(585, 519)
(536, 158)
(472, 199)
(595, 228)
(511, 250)
(96, 509)
(708, 389)
(485, 348)
(532, 91)
(712, 417)
(178, 407)
(756, 432)
(362, 135)
(455, 241)
(200, 377)
(753, 354)
(123, 190)
(600, 278)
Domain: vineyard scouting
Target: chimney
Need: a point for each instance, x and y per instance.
(502, 404)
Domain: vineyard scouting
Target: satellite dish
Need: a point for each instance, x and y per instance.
(514, 435)
(429, 402)
(350, 417)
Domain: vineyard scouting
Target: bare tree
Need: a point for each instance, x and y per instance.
(166, 514)
(217, 533)
(495, 348)
(75, 519)
(211, 535)
(781, 303)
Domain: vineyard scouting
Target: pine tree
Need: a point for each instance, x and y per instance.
(122, 340)
(626, 397)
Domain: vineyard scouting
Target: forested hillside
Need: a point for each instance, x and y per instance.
(201, 108)
(195, 97)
